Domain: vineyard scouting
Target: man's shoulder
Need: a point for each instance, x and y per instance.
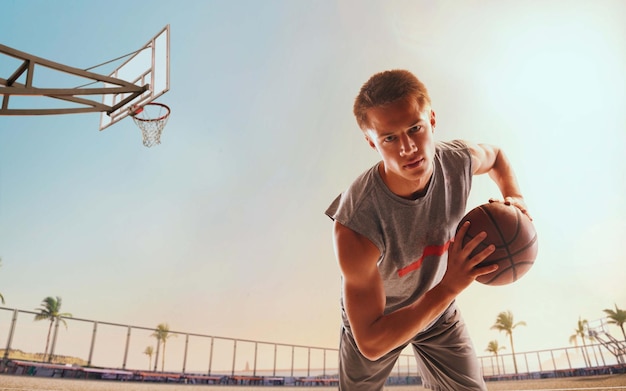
(454, 149)
(350, 200)
(453, 155)
(451, 145)
(363, 183)
(366, 177)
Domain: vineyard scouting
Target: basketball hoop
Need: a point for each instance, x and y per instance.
(151, 119)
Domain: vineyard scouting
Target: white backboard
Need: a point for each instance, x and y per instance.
(150, 65)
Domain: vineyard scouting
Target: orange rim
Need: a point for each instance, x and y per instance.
(140, 109)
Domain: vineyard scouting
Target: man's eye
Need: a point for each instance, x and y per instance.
(415, 129)
(389, 139)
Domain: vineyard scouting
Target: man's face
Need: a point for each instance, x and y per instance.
(402, 133)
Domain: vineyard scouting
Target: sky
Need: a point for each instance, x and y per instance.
(221, 230)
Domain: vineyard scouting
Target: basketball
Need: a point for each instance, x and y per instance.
(511, 232)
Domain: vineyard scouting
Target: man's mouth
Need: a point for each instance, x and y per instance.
(414, 163)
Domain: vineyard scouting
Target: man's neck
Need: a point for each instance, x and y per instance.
(410, 190)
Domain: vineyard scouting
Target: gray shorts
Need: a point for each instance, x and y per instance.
(445, 357)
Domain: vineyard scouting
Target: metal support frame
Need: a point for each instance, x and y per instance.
(10, 87)
(598, 331)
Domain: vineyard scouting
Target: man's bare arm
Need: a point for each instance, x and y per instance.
(489, 159)
(364, 298)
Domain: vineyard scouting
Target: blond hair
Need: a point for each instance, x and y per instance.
(387, 87)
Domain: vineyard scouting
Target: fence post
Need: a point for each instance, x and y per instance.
(185, 356)
(256, 346)
(5, 359)
(539, 362)
(408, 367)
(526, 361)
(308, 362)
(10, 338)
(399, 365)
(569, 362)
(234, 357)
(211, 357)
(93, 342)
(275, 353)
(601, 355)
(584, 352)
(595, 355)
(497, 371)
(126, 348)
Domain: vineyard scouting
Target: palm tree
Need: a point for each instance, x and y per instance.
(51, 310)
(162, 333)
(581, 331)
(617, 317)
(149, 352)
(494, 347)
(504, 322)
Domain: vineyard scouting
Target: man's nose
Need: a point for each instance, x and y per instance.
(407, 146)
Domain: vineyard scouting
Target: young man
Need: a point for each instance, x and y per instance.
(402, 265)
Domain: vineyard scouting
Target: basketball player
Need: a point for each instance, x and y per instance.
(402, 265)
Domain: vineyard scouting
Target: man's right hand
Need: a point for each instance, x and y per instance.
(462, 270)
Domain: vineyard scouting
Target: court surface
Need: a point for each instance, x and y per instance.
(597, 383)
(590, 383)
(23, 383)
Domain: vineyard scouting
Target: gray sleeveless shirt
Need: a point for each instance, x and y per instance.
(412, 235)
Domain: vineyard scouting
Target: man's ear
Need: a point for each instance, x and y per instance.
(433, 120)
(370, 142)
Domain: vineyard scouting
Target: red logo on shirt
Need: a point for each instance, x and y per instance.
(428, 251)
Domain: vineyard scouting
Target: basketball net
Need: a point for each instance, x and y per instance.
(151, 119)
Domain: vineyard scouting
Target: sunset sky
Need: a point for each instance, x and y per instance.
(220, 230)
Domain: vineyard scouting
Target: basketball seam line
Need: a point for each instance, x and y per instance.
(503, 240)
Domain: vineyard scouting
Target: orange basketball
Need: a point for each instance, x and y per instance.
(511, 232)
